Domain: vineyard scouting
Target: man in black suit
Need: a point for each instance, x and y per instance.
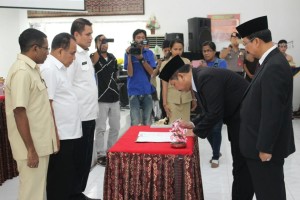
(266, 132)
(219, 93)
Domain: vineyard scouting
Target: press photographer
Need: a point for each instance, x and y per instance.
(139, 63)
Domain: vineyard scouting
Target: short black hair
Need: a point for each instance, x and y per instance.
(62, 40)
(282, 42)
(184, 69)
(166, 44)
(265, 35)
(79, 24)
(31, 37)
(211, 44)
(138, 31)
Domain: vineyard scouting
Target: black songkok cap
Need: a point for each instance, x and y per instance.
(170, 68)
(253, 26)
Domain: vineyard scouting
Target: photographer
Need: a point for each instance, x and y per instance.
(108, 98)
(139, 63)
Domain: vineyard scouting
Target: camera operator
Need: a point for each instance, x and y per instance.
(108, 98)
(139, 63)
(95, 56)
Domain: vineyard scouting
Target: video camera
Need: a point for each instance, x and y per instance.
(135, 48)
(106, 40)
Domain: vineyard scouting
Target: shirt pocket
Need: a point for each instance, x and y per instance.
(41, 86)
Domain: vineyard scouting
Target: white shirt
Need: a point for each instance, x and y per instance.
(261, 60)
(82, 77)
(193, 84)
(65, 103)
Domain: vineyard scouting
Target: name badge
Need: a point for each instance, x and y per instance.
(84, 66)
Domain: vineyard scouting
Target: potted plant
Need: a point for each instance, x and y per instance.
(152, 24)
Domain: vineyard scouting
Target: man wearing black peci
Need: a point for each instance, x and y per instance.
(266, 134)
(219, 93)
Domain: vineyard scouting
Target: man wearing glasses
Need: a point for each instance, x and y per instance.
(65, 107)
(31, 129)
(233, 55)
(266, 131)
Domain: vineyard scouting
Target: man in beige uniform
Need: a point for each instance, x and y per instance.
(31, 129)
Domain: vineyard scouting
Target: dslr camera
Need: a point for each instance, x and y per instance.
(135, 48)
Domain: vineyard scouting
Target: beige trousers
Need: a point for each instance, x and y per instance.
(182, 111)
(33, 180)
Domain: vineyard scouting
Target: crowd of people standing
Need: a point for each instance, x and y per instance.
(57, 103)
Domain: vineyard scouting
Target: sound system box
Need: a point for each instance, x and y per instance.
(199, 30)
(173, 36)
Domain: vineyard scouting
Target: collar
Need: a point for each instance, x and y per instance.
(81, 50)
(193, 84)
(56, 62)
(261, 60)
(27, 60)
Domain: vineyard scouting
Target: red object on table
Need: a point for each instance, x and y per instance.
(127, 143)
(152, 171)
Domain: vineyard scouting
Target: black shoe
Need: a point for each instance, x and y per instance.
(102, 161)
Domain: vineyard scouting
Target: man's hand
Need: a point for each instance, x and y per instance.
(265, 156)
(168, 110)
(127, 50)
(184, 124)
(190, 133)
(58, 145)
(32, 159)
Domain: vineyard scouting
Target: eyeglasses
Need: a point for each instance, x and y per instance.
(246, 43)
(46, 48)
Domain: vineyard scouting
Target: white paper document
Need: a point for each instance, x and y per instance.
(154, 137)
(161, 126)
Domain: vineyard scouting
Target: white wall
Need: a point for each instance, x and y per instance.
(13, 22)
(172, 15)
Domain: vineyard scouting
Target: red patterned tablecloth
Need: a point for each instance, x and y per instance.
(8, 166)
(152, 170)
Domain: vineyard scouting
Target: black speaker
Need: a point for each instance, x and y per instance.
(173, 36)
(122, 83)
(199, 32)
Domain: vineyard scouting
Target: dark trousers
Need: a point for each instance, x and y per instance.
(268, 179)
(84, 153)
(242, 188)
(215, 140)
(61, 171)
(241, 73)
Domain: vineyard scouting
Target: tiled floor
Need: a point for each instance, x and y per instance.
(216, 182)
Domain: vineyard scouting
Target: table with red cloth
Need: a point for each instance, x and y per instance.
(152, 170)
(8, 167)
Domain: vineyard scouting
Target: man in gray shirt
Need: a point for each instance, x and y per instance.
(233, 55)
